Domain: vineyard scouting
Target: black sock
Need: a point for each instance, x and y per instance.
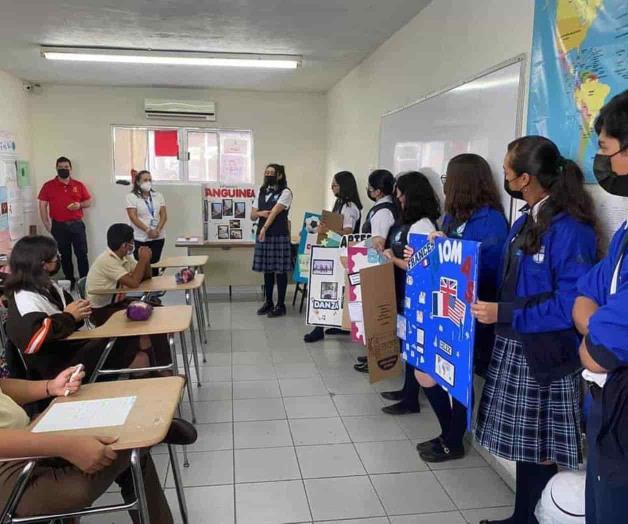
(410, 389)
(457, 426)
(269, 283)
(439, 399)
(282, 286)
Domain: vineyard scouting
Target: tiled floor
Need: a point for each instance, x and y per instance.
(289, 432)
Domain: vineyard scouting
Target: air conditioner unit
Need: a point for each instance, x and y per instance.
(161, 109)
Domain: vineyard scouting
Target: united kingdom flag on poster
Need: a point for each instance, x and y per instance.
(445, 302)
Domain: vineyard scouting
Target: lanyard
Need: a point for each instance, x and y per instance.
(150, 206)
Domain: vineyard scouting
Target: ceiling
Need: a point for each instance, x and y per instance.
(333, 36)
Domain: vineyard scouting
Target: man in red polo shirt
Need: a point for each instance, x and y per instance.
(61, 200)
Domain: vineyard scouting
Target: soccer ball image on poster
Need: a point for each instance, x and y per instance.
(307, 238)
(441, 285)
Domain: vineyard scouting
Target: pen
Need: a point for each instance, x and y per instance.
(74, 374)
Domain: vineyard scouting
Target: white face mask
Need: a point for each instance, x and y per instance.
(146, 186)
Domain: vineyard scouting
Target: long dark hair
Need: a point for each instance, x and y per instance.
(280, 172)
(469, 186)
(348, 189)
(136, 183)
(26, 264)
(421, 200)
(560, 177)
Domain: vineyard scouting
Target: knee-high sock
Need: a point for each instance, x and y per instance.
(439, 399)
(411, 389)
(269, 284)
(282, 286)
(457, 425)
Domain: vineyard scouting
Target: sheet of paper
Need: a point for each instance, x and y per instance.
(355, 312)
(85, 414)
(187, 239)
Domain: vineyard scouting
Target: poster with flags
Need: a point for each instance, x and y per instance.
(441, 285)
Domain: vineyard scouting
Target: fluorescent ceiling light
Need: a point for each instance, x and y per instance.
(138, 56)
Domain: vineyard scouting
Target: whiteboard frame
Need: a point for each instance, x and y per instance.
(521, 58)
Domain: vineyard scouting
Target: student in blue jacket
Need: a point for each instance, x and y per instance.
(530, 409)
(473, 211)
(601, 315)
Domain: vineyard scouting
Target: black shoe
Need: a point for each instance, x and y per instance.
(277, 311)
(401, 408)
(362, 368)
(265, 309)
(336, 331)
(441, 453)
(315, 335)
(425, 446)
(393, 395)
(181, 433)
(363, 360)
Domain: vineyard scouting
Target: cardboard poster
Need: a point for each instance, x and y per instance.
(227, 213)
(379, 308)
(334, 222)
(326, 287)
(307, 238)
(441, 285)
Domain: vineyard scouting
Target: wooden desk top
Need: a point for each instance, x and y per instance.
(215, 244)
(150, 417)
(167, 319)
(160, 283)
(184, 261)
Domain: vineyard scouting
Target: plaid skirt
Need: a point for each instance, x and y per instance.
(521, 420)
(274, 255)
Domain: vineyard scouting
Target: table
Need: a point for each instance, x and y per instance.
(168, 283)
(147, 425)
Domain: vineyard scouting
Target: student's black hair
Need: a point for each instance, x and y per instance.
(421, 200)
(280, 171)
(26, 264)
(560, 177)
(63, 159)
(613, 119)
(469, 186)
(136, 183)
(118, 234)
(383, 180)
(348, 188)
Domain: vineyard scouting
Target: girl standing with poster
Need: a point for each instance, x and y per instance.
(272, 249)
(530, 407)
(473, 211)
(348, 204)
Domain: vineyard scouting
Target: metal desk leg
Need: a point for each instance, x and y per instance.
(138, 482)
(101, 361)
(188, 376)
(200, 316)
(175, 370)
(188, 301)
(178, 483)
(205, 297)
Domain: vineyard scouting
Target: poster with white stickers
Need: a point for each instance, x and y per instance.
(326, 287)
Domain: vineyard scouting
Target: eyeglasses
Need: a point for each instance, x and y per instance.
(443, 179)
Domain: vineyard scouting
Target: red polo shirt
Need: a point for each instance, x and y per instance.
(59, 196)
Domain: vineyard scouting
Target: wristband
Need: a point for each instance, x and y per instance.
(48, 392)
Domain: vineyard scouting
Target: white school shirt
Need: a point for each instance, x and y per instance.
(383, 220)
(144, 214)
(422, 227)
(350, 215)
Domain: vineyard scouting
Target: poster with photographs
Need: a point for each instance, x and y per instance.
(307, 238)
(326, 287)
(227, 213)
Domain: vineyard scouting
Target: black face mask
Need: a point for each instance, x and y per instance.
(63, 173)
(610, 181)
(512, 193)
(371, 197)
(271, 180)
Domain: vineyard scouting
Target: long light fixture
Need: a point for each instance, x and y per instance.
(141, 56)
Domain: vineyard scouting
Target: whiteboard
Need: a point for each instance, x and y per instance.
(479, 116)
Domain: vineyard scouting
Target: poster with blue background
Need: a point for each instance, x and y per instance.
(307, 238)
(441, 285)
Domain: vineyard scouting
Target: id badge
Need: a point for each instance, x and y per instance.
(154, 223)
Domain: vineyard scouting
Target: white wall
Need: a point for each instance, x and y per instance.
(14, 114)
(75, 121)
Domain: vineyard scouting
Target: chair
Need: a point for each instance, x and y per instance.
(81, 285)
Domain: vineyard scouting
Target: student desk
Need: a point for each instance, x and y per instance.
(168, 283)
(147, 425)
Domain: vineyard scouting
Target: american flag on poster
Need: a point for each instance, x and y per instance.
(446, 304)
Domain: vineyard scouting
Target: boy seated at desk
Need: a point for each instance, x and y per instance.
(116, 268)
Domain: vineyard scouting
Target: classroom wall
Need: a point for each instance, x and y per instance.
(75, 121)
(14, 113)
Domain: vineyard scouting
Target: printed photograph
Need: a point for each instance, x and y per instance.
(223, 232)
(216, 210)
(240, 210)
(227, 207)
(323, 267)
(329, 290)
(236, 234)
(235, 224)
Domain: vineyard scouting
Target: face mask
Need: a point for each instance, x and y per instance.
(55, 270)
(610, 181)
(146, 186)
(271, 180)
(371, 197)
(130, 249)
(513, 194)
(63, 173)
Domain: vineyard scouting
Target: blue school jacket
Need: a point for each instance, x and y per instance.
(607, 340)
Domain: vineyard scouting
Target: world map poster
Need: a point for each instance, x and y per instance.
(579, 62)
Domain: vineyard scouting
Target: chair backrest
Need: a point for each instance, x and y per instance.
(81, 285)
(15, 361)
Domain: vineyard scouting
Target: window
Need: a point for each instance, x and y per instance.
(184, 155)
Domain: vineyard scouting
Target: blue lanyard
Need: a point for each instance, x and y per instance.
(151, 208)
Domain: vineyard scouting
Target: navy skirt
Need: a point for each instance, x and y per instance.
(273, 255)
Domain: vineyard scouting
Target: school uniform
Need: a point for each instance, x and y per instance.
(607, 343)
(273, 255)
(530, 410)
(148, 212)
(351, 215)
(380, 218)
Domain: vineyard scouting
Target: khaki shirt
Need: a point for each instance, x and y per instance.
(104, 273)
(12, 416)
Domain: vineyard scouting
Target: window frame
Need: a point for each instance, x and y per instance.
(182, 134)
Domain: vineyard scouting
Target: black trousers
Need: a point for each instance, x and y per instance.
(156, 246)
(71, 235)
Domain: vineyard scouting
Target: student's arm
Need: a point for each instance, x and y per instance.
(132, 214)
(583, 309)
(381, 223)
(587, 360)
(277, 208)
(141, 272)
(399, 262)
(163, 218)
(43, 213)
(27, 391)
(255, 213)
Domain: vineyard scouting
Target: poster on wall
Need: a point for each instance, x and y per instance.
(227, 213)
(326, 287)
(7, 143)
(441, 285)
(307, 238)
